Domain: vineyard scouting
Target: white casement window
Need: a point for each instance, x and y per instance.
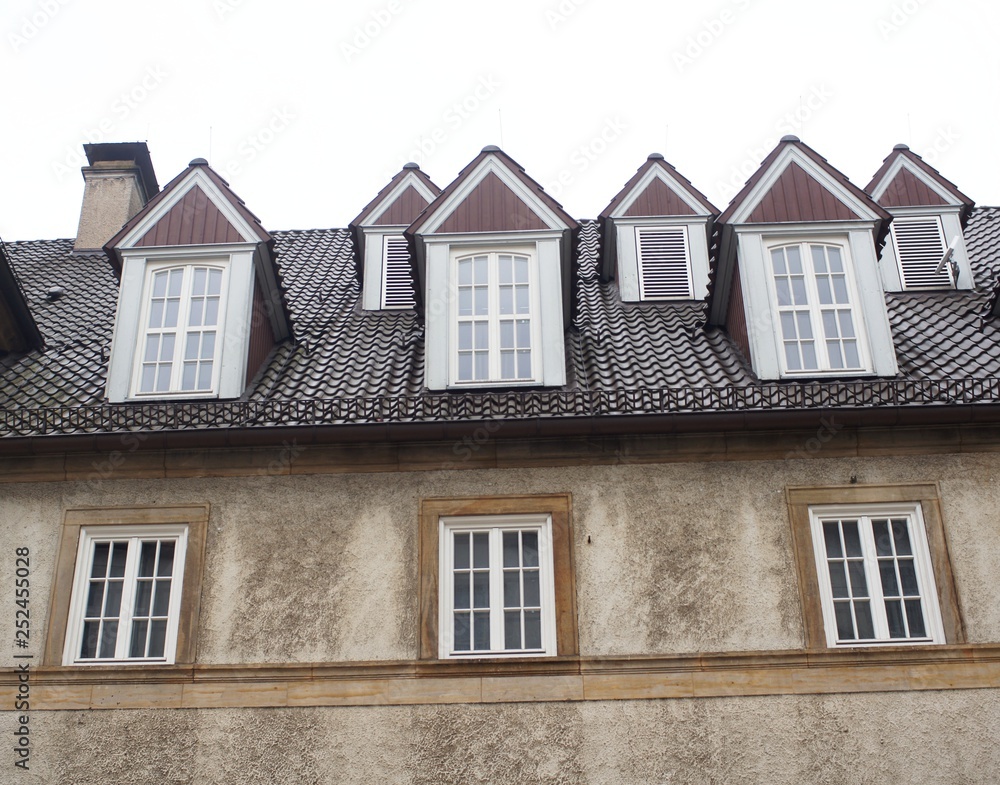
(179, 346)
(920, 247)
(819, 328)
(126, 595)
(397, 279)
(875, 576)
(496, 586)
(495, 319)
(664, 263)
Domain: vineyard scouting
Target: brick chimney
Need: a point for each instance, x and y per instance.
(117, 185)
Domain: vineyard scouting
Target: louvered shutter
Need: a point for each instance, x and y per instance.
(919, 248)
(397, 280)
(664, 263)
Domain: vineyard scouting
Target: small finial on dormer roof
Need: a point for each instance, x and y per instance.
(198, 162)
(901, 147)
(491, 148)
(790, 138)
(654, 157)
(411, 165)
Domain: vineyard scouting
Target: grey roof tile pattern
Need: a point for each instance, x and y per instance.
(347, 363)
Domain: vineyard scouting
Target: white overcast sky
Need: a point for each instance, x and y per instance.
(308, 108)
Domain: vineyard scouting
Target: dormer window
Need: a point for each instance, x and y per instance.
(494, 318)
(815, 299)
(664, 263)
(920, 248)
(178, 349)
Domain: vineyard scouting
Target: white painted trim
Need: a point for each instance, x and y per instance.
(659, 173)
(495, 524)
(492, 164)
(196, 176)
(902, 162)
(951, 224)
(374, 238)
(483, 239)
(792, 154)
(924, 570)
(81, 577)
(410, 178)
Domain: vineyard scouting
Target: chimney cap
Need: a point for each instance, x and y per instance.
(411, 165)
(137, 152)
(198, 162)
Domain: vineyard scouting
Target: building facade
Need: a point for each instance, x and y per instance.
(473, 491)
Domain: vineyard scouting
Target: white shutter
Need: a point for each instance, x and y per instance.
(397, 278)
(919, 249)
(664, 263)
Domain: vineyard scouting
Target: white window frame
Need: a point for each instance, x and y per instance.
(946, 279)
(135, 535)
(927, 585)
(176, 374)
(661, 229)
(815, 308)
(534, 315)
(495, 525)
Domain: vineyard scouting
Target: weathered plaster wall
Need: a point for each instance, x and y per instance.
(682, 557)
(946, 738)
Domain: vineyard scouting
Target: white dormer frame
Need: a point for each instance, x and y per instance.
(242, 262)
(374, 242)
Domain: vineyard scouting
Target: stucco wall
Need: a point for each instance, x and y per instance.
(681, 557)
(946, 738)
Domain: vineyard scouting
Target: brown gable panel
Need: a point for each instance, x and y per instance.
(906, 190)
(658, 199)
(261, 334)
(404, 209)
(798, 196)
(194, 220)
(736, 316)
(492, 207)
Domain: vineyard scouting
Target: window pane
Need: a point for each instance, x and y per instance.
(883, 545)
(205, 375)
(465, 302)
(507, 335)
(809, 356)
(908, 577)
(119, 552)
(794, 260)
(804, 325)
(845, 623)
(464, 336)
(482, 366)
(157, 638)
(462, 632)
(836, 262)
(480, 590)
(507, 365)
(524, 364)
(482, 270)
(851, 357)
(784, 291)
(113, 599)
(529, 544)
(521, 269)
(852, 540)
(838, 579)
(465, 367)
(156, 313)
(819, 258)
(482, 335)
(532, 589)
(109, 638)
(532, 630)
(194, 315)
(799, 290)
(894, 617)
(88, 647)
(189, 376)
(830, 324)
(166, 564)
(166, 348)
(840, 289)
(511, 551)
(160, 284)
(512, 589)
(143, 594)
(523, 334)
(831, 535)
(915, 619)
(215, 282)
(198, 285)
(462, 590)
(481, 631)
(846, 324)
(522, 299)
(512, 629)
(465, 272)
(482, 301)
(887, 572)
(137, 647)
(825, 293)
(859, 585)
(170, 313)
(461, 545)
(95, 599)
(901, 535)
(833, 350)
(161, 597)
(778, 261)
(176, 277)
(506, 269)
(863, 614)
(100, 567)
(147, 559)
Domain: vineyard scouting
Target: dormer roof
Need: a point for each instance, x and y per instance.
(657, 189)
(907, 180)
(195, 208)
(796, 184)
(492, 194)
(402, 199)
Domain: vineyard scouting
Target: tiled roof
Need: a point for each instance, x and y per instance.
(348, 364)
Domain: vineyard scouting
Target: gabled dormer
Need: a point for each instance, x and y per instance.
(200, 306)
(383, 253)
(18, 330)
(925, 248)
(494, 266)
(797, 281)
(655, 236)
